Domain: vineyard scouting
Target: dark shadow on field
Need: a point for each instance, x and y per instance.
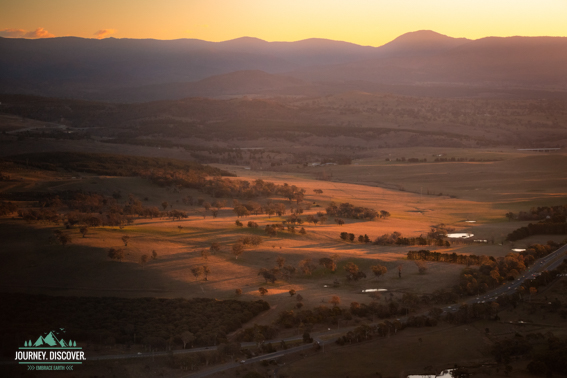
(32, 265)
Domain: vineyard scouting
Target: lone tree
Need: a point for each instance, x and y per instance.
(533, 291)
(187, 338)
(268, 276)
(328, 263)
(306, 267)
(125, 239)
(379, 270)
(84, 231)
(164, 204)
(154, 255)
(206, 272)
(335, 300)
(197, 271)
(116, 253)
(215, 247)
(238, 291)
(205, 254)
(353, 274)
(62, 237)
(280, 261)
(144, 260)
(263, 291)
(421, 266)
(292, 292)
(237, 249)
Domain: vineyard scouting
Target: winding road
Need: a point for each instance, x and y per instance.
(550, 262)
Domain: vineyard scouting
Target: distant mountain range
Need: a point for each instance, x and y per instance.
(127, 70)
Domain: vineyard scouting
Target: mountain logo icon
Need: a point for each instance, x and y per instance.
(52, 339)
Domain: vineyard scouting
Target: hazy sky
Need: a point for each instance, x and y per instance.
(365, 22)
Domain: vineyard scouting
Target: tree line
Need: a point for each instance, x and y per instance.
(348, 210)
(556, 214)
(396, 238)
(158, 323)
(542, 228)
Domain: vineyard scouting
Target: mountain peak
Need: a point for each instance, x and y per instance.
(423, 35)
(420, 42)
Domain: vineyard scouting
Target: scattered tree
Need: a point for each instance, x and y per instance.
(62, 237)
(205, 254)
(379, 270)
(328, 263)
(125, 239)
(292, 292)
(206, 272)
(116, 253)
(263, 291)
(215, 247)
(353, 274)
(187, 338)
(306, 267)
(197, 271)
(237, 249)
(84, 231)
(144, 259)
(421, 266)
(335, 300)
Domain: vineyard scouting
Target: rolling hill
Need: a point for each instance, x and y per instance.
(126, 70)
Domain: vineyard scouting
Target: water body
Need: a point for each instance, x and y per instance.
(462, 235)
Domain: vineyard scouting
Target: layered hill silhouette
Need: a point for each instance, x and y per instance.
(529, 62)
(128, 70)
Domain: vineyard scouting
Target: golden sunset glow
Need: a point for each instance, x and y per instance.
(365, 22)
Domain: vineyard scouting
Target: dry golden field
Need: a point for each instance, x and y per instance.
(483, 192)
(37, 267)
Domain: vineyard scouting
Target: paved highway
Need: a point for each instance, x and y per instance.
(549, 262)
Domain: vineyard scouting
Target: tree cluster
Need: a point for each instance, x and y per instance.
(554, 214)
(155, 321)
(348, 210)
(541, 228)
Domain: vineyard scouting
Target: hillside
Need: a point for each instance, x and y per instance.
(129, 70)
(239, 83)
(528, 62)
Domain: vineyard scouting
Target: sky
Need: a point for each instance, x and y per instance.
(364, 22)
